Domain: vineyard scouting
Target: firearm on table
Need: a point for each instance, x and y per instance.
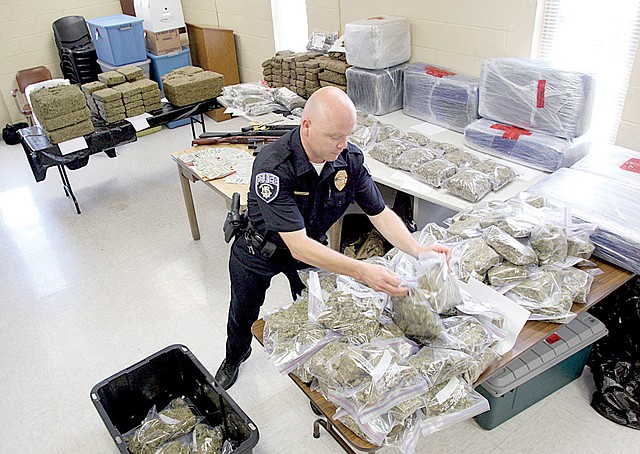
(254, 143)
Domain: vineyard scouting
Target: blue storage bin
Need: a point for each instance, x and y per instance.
(163, 64)
(118, 39)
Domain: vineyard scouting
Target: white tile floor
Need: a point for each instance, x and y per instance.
(84, 296)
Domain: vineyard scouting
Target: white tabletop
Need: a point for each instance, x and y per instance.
(404, 181)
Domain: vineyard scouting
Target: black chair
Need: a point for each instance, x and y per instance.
(78, 59)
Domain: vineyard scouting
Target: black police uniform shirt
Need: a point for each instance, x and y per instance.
(286, 193)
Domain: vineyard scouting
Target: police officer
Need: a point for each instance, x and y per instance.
(300, 185)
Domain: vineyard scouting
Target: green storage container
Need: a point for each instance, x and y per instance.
(543, 369)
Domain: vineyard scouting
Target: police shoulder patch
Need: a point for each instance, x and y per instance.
(267, 186)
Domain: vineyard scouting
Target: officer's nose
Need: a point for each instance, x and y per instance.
(342, 144)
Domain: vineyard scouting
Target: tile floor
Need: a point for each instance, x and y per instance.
(84, 296)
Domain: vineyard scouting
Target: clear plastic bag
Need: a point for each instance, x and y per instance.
(469, 227)
(473, 257)
(435, 172)
(389, 150)
(464, 333)
(506, 273)
(510, 248)
(579, 243)
(287, 98)
(414, 157)
(479, 363)
(461, 158)
(550, 243)
(500, 173)
(440, 364)
(542, 295)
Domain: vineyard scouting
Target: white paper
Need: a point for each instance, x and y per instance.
(428, 129)
(515, 316)
(139, 122)
(415, 186)
(69, 146)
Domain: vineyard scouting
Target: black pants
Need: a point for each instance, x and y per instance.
(250, 278)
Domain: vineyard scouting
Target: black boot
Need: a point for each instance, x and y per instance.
(228, 372)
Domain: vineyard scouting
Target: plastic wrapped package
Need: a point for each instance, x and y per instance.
(377, 91)
(413, 158)
(469, 227)
(534, 95)
(366, 119)
(364, 136)
(542, 295)
(440, 364)
(435, 172)
(377, 42)
(371, 379)
(579, 242)
(479, 363)
(506, 273)
(287, 98)
(500, 173)
(440, 96)
(612, 161)
(533, 149)
(461, 158)
(387, 131)
(389, 150)
(469, 184)
(608, 203)
(473, 257)
(550, 243)
(511, 249)
(465, 333)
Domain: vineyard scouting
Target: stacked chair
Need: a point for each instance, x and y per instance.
(78, 59)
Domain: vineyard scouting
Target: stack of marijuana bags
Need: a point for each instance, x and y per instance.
(131, 99)
(150, 92)
(435, 163)
(62, 111)
(440, 96)
(527, 249)
(609, 202)
(190, 84)
(333, 69)
(297, 71)
(377, 48)
(536, 97)
(109, 104)
(88, 89)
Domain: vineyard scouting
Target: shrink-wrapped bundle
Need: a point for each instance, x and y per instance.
(614, 162)
(534, 95)
(378, 42)
(533, 149)
(440, 96)
(606, 202)
(376, 91)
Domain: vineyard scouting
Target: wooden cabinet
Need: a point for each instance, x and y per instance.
(214, 49)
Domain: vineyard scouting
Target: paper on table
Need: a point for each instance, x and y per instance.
(515, 316)
(139, 122)
(428, 129)
(69, 146)
(410, 184)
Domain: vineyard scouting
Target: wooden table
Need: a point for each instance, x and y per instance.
(611, 279)
(221, 187)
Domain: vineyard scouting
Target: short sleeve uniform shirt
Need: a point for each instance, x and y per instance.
(286, 193)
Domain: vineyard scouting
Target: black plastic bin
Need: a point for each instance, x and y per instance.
(124, 399)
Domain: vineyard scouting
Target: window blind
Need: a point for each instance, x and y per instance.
(290, 30)
(597, 37)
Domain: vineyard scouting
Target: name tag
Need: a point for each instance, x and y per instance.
(300, 193)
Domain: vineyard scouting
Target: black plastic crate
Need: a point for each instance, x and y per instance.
(124, 399)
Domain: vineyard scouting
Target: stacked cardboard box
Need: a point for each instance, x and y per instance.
(62, 111)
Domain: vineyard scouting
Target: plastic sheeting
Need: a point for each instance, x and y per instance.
(618, 163)
(42, 154)
(532, 94)
(611, 205)
(440, 96)
(533, 149)
(378, 42)
(376, 91)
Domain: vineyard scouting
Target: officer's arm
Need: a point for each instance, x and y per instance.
(393, 229)
(313, 253)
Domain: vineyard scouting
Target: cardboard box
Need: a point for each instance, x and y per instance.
(160, 15)
(162, 43)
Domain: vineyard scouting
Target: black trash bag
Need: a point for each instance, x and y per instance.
(10, 133)
(615, 359)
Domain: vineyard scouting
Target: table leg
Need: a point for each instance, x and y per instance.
(193, 128)
(329, 428)
(66, 184)
(335, 234)
(185, 183)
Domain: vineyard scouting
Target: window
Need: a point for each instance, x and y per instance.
(597, 37)
(290, 29)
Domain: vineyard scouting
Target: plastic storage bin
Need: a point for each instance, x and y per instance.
(124, 399)
(540, 371)
(118, 39)
(145, 65)
(164, 64)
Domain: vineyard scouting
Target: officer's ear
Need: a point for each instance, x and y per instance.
(305, 125)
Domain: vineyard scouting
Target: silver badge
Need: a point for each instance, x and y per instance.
(267, 186)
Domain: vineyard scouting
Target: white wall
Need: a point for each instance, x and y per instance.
(26, 39)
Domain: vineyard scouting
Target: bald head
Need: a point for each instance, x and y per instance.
(329, 102)
(329, 117)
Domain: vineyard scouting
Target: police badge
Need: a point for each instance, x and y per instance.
(340, 180)
(267, 186)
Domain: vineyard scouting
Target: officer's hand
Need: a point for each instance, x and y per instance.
(439, 248)
(382, 279)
